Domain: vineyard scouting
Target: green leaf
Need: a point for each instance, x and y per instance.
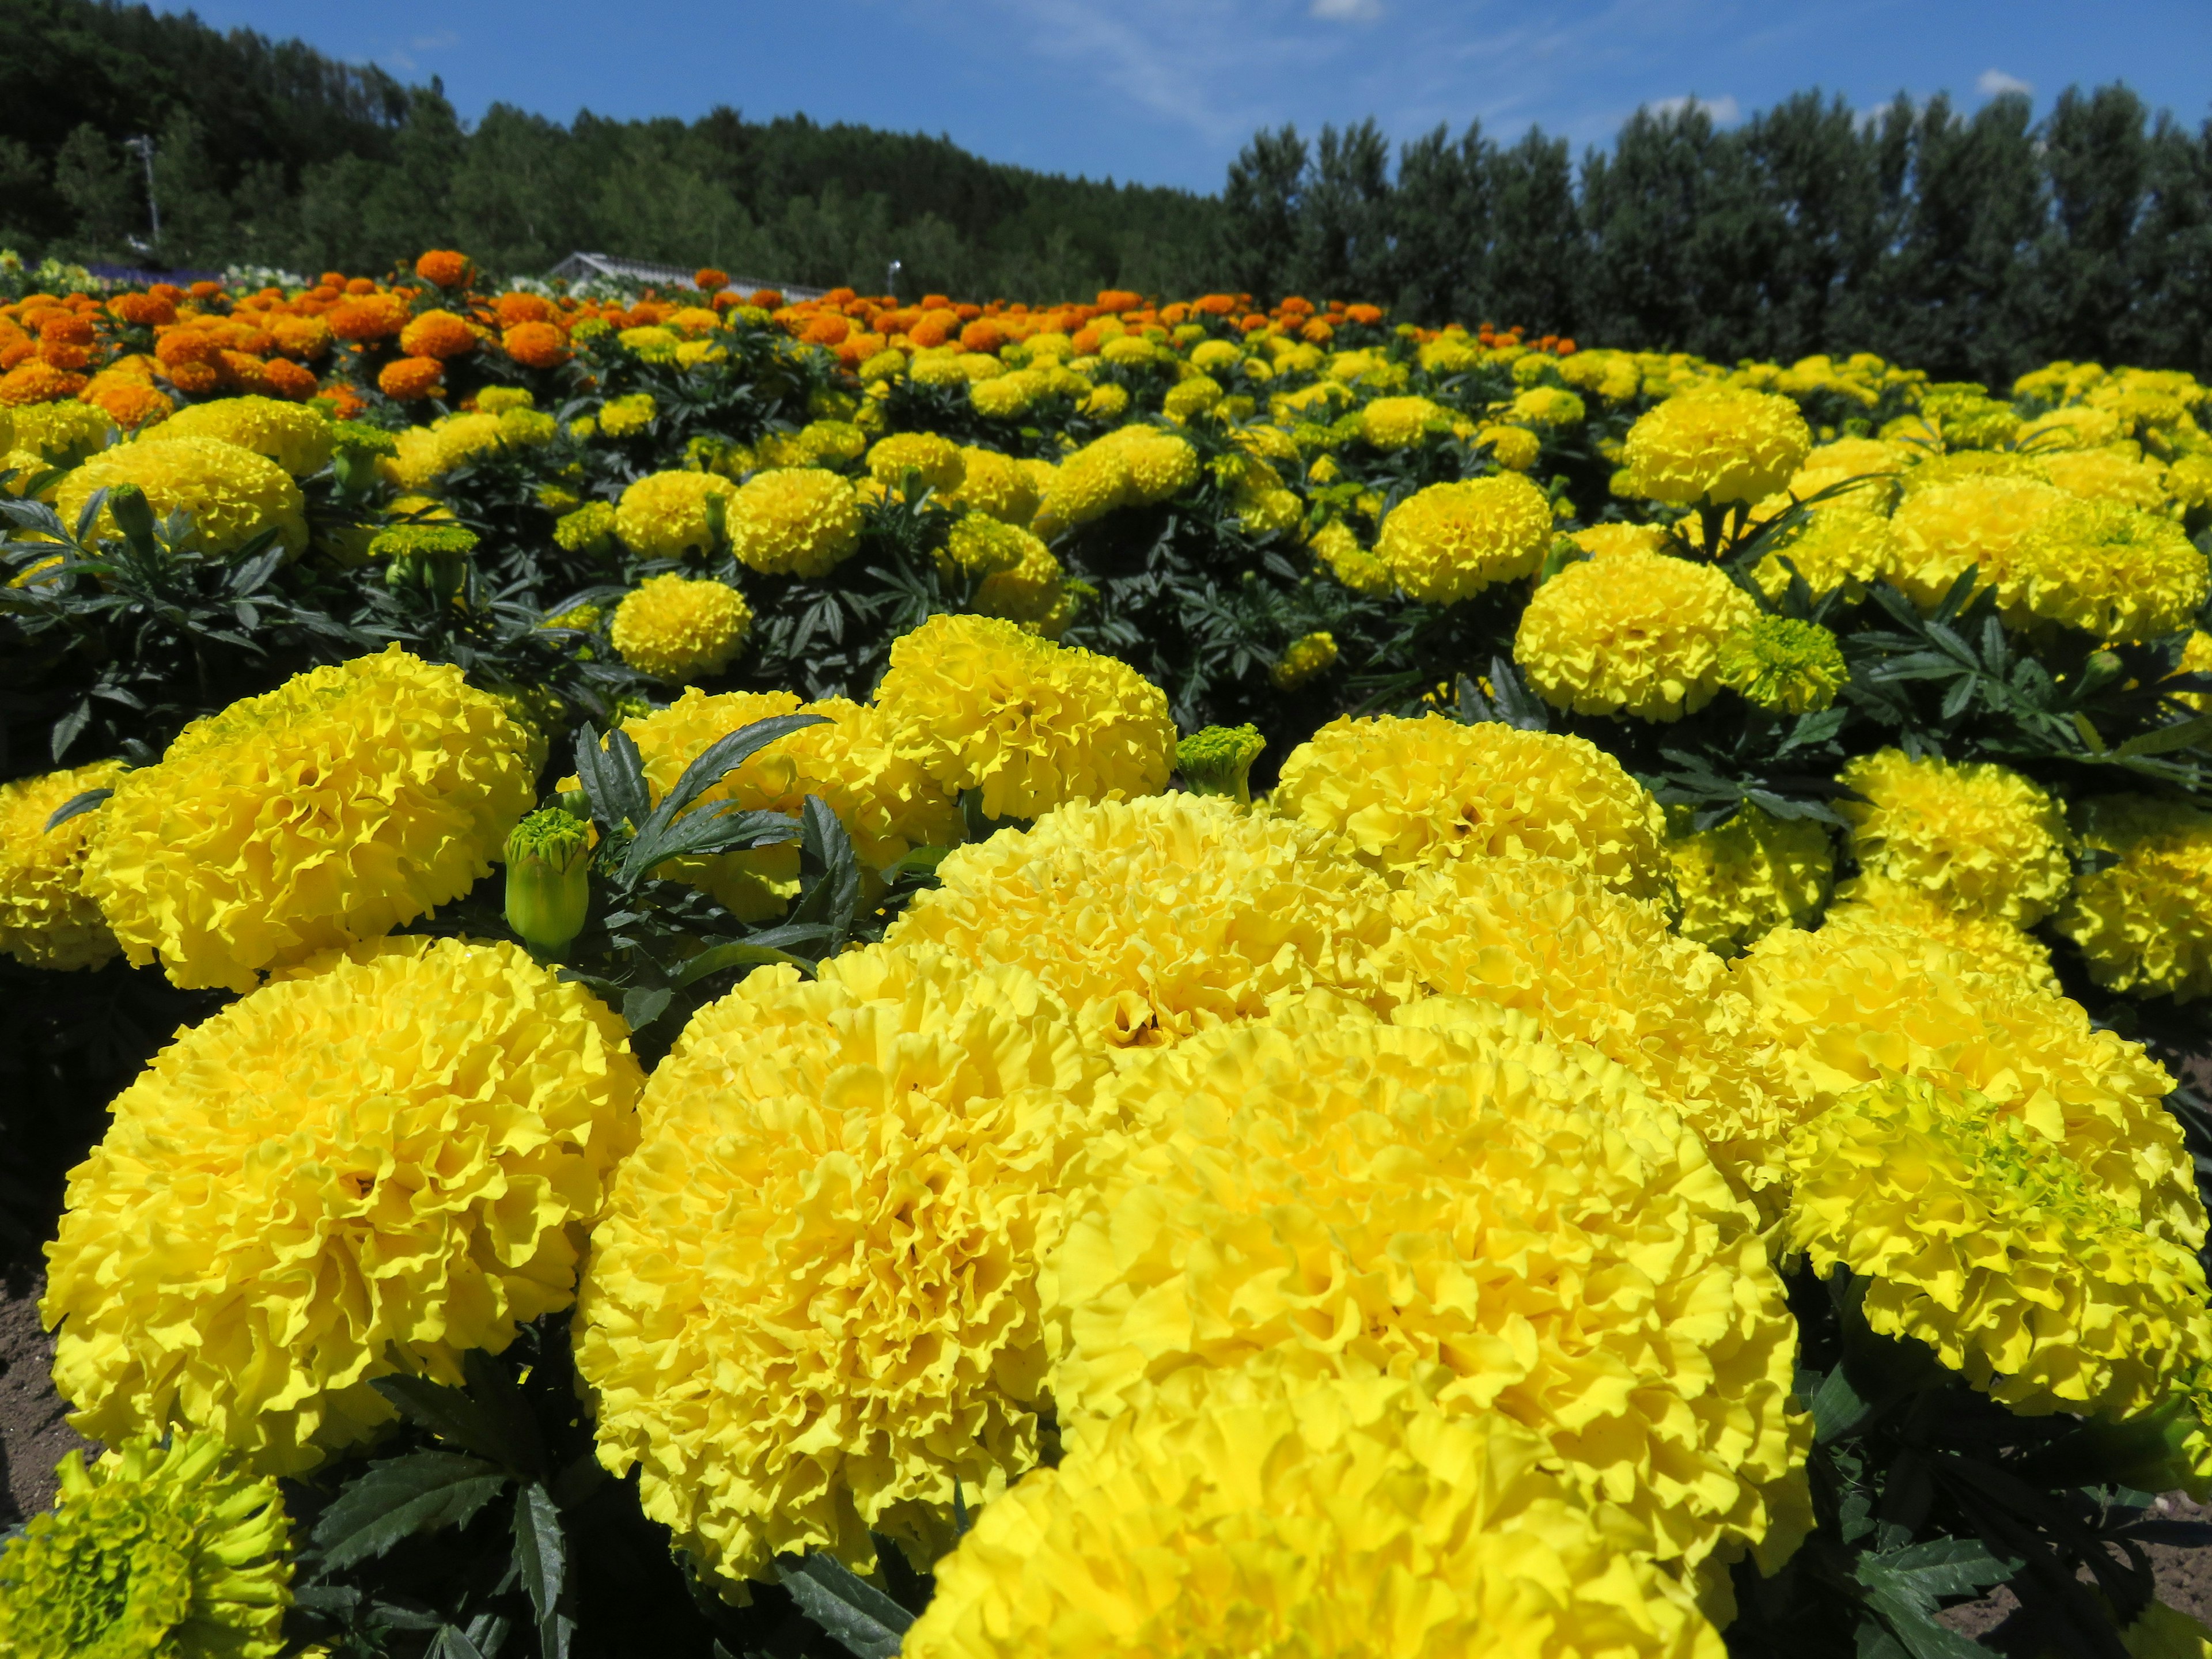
(1918, 1634)
(453, 1642)
(725, 755)
(2090, 735)
(743, 953)
(2168, 739)
(613, 775)
(541, 1557)
(826, 855)
(397, 1498)
(1836, 1407)
(1940, 1567)
(477, 1418)
(644, 1004)
(719, 828)
(862, 1619)
(75, 805)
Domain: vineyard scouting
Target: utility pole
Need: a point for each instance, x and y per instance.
(143, 148)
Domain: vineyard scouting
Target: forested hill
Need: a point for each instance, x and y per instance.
(1974, 244)
(270, 153)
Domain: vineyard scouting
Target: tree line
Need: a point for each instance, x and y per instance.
(1974, 244)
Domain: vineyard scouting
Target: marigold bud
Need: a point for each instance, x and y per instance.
(549, 889)
(1218, 761)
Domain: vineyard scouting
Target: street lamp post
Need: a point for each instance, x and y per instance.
(143, 148)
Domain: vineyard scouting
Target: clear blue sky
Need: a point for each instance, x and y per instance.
(1164, 91)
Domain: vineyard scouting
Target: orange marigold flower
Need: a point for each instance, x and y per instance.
(37, 382)
(444, 267)
(176, 346)
(141, 310)
(1318, 332)
(369, 316)
(302, 337)
(535, 345)
(1363, 313)
(1118, 300)
(67, 328)
(245, 372)
(932, 329)
(360, 285)
(409, 378)
(513, 308)
(195, 378)
(983, 335)
(283, 378)
(438, 334)
(130, 403)
(708, 280)
(61, 355)
(826, 330)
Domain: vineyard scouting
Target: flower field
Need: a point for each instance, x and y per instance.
(725, 977)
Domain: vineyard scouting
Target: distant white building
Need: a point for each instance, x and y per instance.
(578, 268)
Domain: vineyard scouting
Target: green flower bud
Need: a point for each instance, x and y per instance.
(1218, 761)
(134, 516)
(548, 890)
(433, 557)
(1784, 665)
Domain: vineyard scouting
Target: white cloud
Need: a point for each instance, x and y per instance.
(1993, 82)
(1348, 11)
(1721, 110)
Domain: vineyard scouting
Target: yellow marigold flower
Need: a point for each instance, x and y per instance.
(1636, 632)
(1280, 1517)
(1192, 397)
(1336, 546)
(46, 918)
(995, 485)
(348, 801)
(1603, 541)
(982, 704)
(937, 460)
(589, 529)
(1717, 446)
(2114, 473)
(1843, 459)
(788, 1376)
(1015, 575)
(1409, 793)
(350, 1209)
(1589, 966)
(1975, 523)
(1456, 1202)
(797, 521)
(1131, 466)
(1401, 423)
(1973, 835)
(2195, 659)
(1877, 904)
(232, 493)
(2112, 571)
(1842, 546)
(291, 434)
(155, 1550)
(1547, 406)
(664, 515)
(675, 629)
(888, 805)
(1306, 658)
(1152, 919)
(626, 417)
(1450, 541)
(1978, 1235)
(1868, 1003)
(60, 434)
(1742, 879)
(1008, 396)
(1784, 665)
(2145, 923)
(1967, 417)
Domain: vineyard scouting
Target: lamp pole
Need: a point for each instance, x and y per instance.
(142, 147)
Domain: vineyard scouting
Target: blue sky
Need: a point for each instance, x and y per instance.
(1164, 91)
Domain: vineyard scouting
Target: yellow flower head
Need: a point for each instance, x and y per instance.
(981, 704)
(1842, 545)
(587, 530)
(1844, 459)
(1974, 523)
(46, 918)
(1336, 546)
(372, 1168)
(1979, 1235)
(996, 486)
(1603, 541)
(2112, 571)
(1972, 835)
(1291, 1518)
(797, 521)
(812, 1309)
(1401, 423)
(1456, 1202)
(349, 800)
(937, 461)
(1717, 446)
(1450, 541)
(1878, 905)
(1016, 575)
(675, 629)
(626, 417)
(2117, 474)
(1861, 1004)
(664, 515)
(2145, 923)
(1588, 966)
(61, 434)
(1784, 665)
(1406, 793)
(155, 1550)
(1153, 919)
(232, 493)
(1131, 466)
(1742, 879)
(293, 435)
(1636, 632)
(1306, 658)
